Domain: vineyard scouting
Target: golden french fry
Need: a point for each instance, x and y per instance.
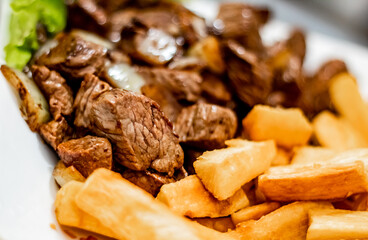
(336, 133)
(223, 224)
(131, 213)
(318, 181)
(68, 213)
(346, 98)
(224, 171)
(289, 222)
(282, 157)
(310, 154)
(63, 174)
(188, 197)
(328, 224)
(254, 212)
(288, 127)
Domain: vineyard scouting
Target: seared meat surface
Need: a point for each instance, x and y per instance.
(55, 88)
(149, 181)
(206, 126)
(86, 154)
(141, 135)
(184, 85)
(56, 132)
(74, 56)
(90, 89)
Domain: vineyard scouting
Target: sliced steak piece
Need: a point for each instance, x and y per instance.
(56, 90)
(74, 56)
(86, 154)
(206, 126)
(90, 89)
(249, 75)
(153, 46)
(168, 103)
(184, 85)
(149, 181)
(214, 89)
(56, 132)
(141, 135)
(315, 96)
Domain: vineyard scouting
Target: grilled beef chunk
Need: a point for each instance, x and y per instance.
(86, 154)
(91, 88)
(206, 126)
(249, 75)
(214, 89)
(56, 90)
(56, 132)
(149, 181)
(241, 22)
(150, 45)
(141, 135)
(184, 85)
(315, 95)
(74, 56)
(168, 103)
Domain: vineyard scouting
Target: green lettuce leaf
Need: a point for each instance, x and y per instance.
(23, 36)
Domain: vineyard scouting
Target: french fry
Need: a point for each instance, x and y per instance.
(63, 174)
(223, 224)
(68, 214)
(336, 133)
(318, 181)
(224, 171)
(328, 224)
(310, 154)
(131, 213)
(188, 197)
(282, 157)
(288, 127)
(346, 98)
(289, 222)
(254, 212)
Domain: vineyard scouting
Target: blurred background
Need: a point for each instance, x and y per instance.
(344, 19)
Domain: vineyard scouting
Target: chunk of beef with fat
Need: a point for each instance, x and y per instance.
(91, 88)
(206, 126)
(141, 135)
(86, 154)
(241, 22)
(250, 76)
(56, 90)
(184, 85)
(168, 103)
(75, 55)
(214, 89)
(150, 45)
(56, 132)
(315, 96)
(147, 180)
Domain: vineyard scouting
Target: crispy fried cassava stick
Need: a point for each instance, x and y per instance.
(288, 127)
(311, 154)
(63, 174)
(329, 224)
(254, 212)
(346, 98)
(289, 222)
(131, 213)
(224, 171)
(336, 133)
(318, 181)
(222, 224)
(188, 197)
(68, 214)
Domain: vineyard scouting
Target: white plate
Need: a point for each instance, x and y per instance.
(27, 189)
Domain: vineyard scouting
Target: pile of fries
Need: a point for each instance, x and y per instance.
(270, 186)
